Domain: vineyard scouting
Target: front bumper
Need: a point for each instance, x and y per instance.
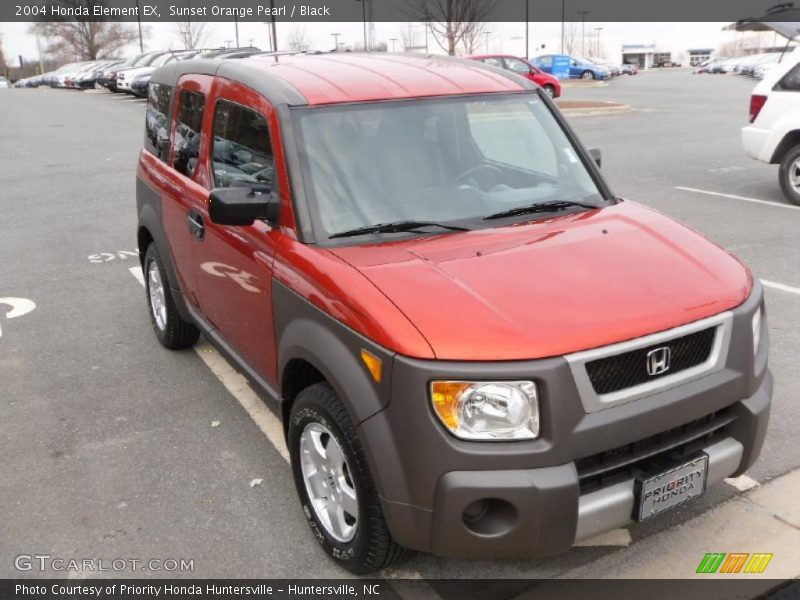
(539, 502)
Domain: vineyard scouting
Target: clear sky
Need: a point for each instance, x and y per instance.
(503, 37)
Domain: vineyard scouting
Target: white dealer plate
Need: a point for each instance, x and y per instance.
(671, 488)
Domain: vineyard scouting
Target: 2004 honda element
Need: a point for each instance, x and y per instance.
(476, 348)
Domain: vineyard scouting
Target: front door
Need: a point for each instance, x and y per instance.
(235, 264)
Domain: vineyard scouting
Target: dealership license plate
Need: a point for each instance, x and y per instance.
(671, 488)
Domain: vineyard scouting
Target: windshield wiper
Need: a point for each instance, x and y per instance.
(395, 227)
(539, 207)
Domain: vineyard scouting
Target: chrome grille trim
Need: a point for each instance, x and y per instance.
(594, 402)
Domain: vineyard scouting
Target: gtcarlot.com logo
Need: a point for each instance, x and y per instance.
(734, 562)
(46, 562)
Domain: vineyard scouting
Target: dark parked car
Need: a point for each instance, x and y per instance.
(476, 348)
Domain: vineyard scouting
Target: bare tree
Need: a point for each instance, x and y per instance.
(473, 37)
(450, 20)
(407, 35)
(78, 38)
(572, 39)
(3, 67)
(297, 39)
(192, 34)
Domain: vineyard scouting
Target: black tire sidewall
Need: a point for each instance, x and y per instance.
(791, 194)
(350, 554)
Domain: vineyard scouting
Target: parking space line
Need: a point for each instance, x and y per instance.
(781, 287)
(735, 197)
(238, 387)
(137, 273)
(742, 483)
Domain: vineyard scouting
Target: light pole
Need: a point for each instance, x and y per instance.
(583, 14)
(427, 24)
(139, 19)
(364, 18)
(393, 40)
(597, 35)
(236, 24)
(527, 24)
(563, 9)
(336, 41)
(487, 41)
(273, 29)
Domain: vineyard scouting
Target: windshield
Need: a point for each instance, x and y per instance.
(454, 160)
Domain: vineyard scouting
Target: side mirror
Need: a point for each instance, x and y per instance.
(597, 156)
(243, 205)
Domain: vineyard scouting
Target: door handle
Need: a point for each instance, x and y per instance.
(196, 226)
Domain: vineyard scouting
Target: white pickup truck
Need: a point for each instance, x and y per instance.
(773, 135)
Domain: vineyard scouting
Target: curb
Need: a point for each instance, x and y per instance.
(576, 84)
(600, 110)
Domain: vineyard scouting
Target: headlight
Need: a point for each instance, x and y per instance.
(756, 330)
(487, 410)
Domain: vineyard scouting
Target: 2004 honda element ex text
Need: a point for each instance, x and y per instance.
(476, 348)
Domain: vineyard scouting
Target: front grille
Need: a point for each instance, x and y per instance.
(658, 451)
(614, 373)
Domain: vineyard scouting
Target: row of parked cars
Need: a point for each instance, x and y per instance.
(131, 76)
(753, 65)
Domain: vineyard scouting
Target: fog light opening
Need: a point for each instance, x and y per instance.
(490, 516)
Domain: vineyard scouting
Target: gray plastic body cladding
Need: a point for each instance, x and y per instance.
(148, 207)
(415, 453)
(305, 332)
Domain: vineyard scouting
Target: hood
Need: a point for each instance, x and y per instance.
(553, 287)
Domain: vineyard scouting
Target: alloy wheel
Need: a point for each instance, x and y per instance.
(158, 303)
(328, 482)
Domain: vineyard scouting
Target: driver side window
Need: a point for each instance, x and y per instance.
(505, 133)
(241, 150)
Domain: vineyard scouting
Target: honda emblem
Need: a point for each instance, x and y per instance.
(658, 361)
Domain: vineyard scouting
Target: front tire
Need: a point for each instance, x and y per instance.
(170, 328)
(335, 486)
(587, 75)
(550, 91)
(789, 175)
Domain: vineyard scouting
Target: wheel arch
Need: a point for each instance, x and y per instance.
(789, 141)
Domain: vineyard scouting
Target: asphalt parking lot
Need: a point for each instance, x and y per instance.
(115, 447)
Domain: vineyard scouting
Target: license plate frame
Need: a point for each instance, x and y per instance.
(656, 493)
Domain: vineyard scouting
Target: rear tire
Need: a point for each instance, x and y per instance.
(789, 175)
(170, 328)
(327, 458)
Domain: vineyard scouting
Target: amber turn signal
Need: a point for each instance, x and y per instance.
(374, 365)
(445, 395)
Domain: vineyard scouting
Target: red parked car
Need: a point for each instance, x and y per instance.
(476, 348)
(520, 66)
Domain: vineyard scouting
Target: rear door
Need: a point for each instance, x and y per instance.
(234, 263)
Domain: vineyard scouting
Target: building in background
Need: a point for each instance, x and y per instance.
(641, 55)
(697, 56)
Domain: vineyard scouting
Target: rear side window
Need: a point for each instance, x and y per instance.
(156, 126)
(495, 62)
(546, 61)
(242, 152)
(186, 145)
(790, 81)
